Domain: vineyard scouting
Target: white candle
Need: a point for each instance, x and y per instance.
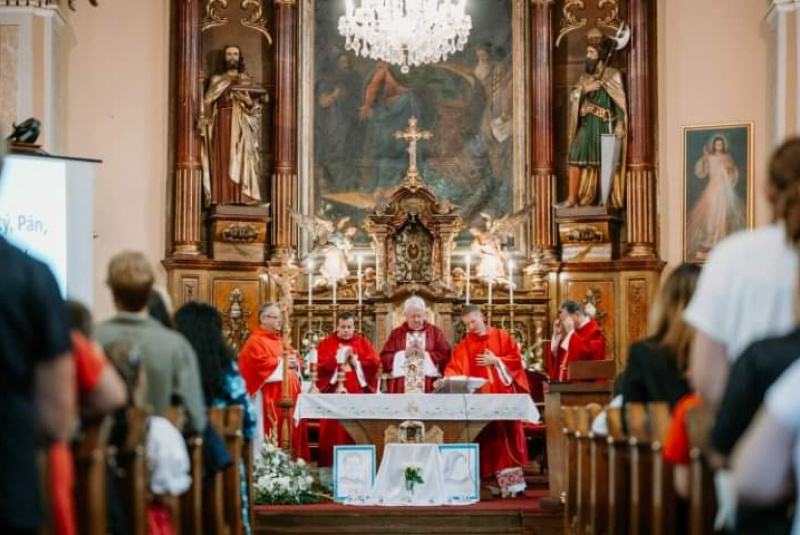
(511, 281)
(490, 292)
(360, 260)
(334, 291)
(468, 274)
(310, 282)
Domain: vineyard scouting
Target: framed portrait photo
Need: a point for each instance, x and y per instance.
(353, 472)
(717, 185)
(461, 475)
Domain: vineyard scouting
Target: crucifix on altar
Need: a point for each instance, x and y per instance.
(412, 135)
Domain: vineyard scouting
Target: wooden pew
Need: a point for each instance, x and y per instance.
(90, 477)
(664, 505)
(618, 492)
(213, 487)
(641, 486)
(702, 499)
(570, 470)
(234, 441)
(187, 510)
(131, 468)
(584, 439)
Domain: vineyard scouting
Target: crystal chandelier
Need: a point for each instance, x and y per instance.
(405, 32)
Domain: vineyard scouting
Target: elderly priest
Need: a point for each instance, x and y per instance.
(353, 354)
(416, 334)
(492, 354)
(261, 364)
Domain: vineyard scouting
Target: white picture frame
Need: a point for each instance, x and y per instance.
(354, 469)
(461, 472)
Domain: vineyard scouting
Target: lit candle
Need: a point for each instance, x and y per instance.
(334, 290)
(490, 292)
(511, 281)
(469, 258)
(349, 8)
(310, 282)
(360, 260)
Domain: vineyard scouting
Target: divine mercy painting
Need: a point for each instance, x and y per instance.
(717, 185)
(466, 102)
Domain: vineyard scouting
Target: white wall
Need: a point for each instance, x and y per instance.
(117, 111)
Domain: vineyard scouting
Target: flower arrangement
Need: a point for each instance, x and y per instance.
(278, 480)
(412, 473)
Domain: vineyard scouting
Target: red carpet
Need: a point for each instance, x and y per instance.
(529, 503)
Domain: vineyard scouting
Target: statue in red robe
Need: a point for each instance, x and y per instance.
(261, 365)
(351, 351)
(437, 350)
(576, 337)
(492, 354)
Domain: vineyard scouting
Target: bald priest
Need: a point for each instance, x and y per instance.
(415, 330)
(493, 354)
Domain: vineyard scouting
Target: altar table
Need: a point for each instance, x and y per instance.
(460, 417)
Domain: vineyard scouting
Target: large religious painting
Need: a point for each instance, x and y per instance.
(717, 185)
(473, 103)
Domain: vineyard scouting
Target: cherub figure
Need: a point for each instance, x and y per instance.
(332, 241)
(488, 244)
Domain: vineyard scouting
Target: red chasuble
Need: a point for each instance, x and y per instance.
(258, 360)
(586, 343)
(503, 442)
(435, 344)
(330, 432)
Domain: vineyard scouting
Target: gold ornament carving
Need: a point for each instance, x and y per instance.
(256, 21)
(212, 18)
(414, 254)
(234, 320)
(584, 234)
(70, 3)
(611, 20)
(569, 21)
(240, 233)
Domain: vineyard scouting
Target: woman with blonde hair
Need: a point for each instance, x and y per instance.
(657, 366)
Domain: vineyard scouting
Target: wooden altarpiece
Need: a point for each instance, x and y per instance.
(621, 287)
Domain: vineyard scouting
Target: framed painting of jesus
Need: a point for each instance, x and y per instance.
(717, 185)
(473, 103)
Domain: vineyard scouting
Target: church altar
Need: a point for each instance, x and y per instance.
(447, 418)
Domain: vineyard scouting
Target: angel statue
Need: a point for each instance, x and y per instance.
(488, 244)
(332, 241)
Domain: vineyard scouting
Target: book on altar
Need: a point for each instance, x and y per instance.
(460, 384)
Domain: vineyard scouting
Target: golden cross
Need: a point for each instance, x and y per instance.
(411, 135)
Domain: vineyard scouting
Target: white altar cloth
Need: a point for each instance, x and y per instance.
(390, 488)
(461, 407)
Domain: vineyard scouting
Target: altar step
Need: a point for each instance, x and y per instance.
(523, 516)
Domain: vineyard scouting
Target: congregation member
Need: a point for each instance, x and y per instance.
(493, 354)
(657, 366)
(261, 365)
(223, 385)
(576, 337)
(351, 352)
(37, 381)
(414, 334)
(170, 364)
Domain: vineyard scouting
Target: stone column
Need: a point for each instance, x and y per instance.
(641, 168)
(543, 177)
(188, 171)
(284, 176)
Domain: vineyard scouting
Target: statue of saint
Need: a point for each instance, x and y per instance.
(231, 128)
(597, 106)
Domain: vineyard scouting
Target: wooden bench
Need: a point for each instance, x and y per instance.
(89, 454)
(702, 497)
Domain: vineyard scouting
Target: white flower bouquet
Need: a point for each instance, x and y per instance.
(279, 480)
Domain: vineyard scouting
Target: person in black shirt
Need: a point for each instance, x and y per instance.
(37, 382)
(656, 369)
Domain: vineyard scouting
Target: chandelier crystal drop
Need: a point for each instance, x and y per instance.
(405, 32)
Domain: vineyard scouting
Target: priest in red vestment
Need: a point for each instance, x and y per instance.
(261, 365)
(576, 337)
(437, 350)
(492, 354)
(351, 351)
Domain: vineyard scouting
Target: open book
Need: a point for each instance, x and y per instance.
(460, 384)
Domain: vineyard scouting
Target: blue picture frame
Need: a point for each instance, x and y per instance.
(456, 487)
(358, 464)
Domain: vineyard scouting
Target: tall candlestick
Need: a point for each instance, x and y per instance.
(469, 257)
(310, 285)
(511, 282)
(360, 260)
